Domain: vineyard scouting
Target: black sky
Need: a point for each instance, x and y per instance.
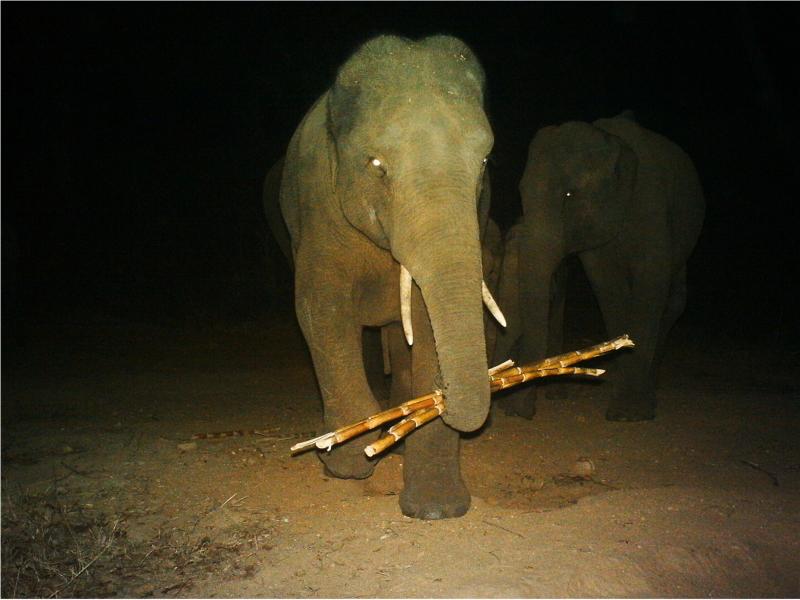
(135, 136)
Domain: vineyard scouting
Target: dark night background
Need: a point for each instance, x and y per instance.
(136, 136)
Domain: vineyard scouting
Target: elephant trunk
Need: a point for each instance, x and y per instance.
(449, 274)
(456, 312)
(540, 254)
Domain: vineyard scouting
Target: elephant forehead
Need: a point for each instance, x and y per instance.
(435, 123)
(414, 66)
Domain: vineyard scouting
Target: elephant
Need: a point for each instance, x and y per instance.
(381, 192)
(628, 203)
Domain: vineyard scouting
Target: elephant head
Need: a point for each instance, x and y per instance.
(408, 144)
(577, 184)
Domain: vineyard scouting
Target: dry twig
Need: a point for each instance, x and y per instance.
(91, 562)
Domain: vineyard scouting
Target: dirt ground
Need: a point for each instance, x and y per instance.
(100, 496)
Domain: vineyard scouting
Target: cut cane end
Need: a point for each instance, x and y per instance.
(325, 442)
(501, 367)
(311, 443)
(623, 342)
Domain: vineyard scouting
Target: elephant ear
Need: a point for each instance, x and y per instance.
(342, 109)
(355, 79)
(484, 202)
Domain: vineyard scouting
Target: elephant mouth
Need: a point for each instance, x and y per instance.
(405, 304)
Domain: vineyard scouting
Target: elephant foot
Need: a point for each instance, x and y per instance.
(435, 501)
(347, 462)
(631, 414)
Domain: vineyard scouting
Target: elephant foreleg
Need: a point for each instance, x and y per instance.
(335, 342)
(557, 387)
(536, 276)
(433, 488)
(634, 304)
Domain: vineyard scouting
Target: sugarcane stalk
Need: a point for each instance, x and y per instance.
(567, 359)
(501, 367)
(327, 440)
(421, 410)
(403, 428)
(502, 383)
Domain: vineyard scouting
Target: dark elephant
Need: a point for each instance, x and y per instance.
(628, 203)
(379, 193)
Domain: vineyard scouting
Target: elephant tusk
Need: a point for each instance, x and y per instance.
(405, 304)
(492, 305)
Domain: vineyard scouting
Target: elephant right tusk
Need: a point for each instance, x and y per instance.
(492, 305)
(405, 304)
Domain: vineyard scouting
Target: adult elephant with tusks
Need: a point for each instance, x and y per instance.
(379, 192)
(628, 203)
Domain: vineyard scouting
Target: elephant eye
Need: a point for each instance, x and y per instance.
(569, 194)
(378, 166)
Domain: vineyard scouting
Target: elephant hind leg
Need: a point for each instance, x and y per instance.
(676, 303)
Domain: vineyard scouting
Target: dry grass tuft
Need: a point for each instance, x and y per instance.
(53, 548)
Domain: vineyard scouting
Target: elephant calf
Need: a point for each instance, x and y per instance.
(626, 201)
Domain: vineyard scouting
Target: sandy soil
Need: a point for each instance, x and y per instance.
(101, 497)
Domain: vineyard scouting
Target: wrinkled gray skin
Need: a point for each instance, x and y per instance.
(629, 204)
(417, 108)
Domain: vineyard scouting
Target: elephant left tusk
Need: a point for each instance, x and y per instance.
(492, 305)
(405, 304)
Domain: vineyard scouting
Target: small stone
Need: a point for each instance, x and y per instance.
(583, 467)
(187, 446)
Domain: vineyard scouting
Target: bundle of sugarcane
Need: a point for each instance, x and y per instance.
(419, 411)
